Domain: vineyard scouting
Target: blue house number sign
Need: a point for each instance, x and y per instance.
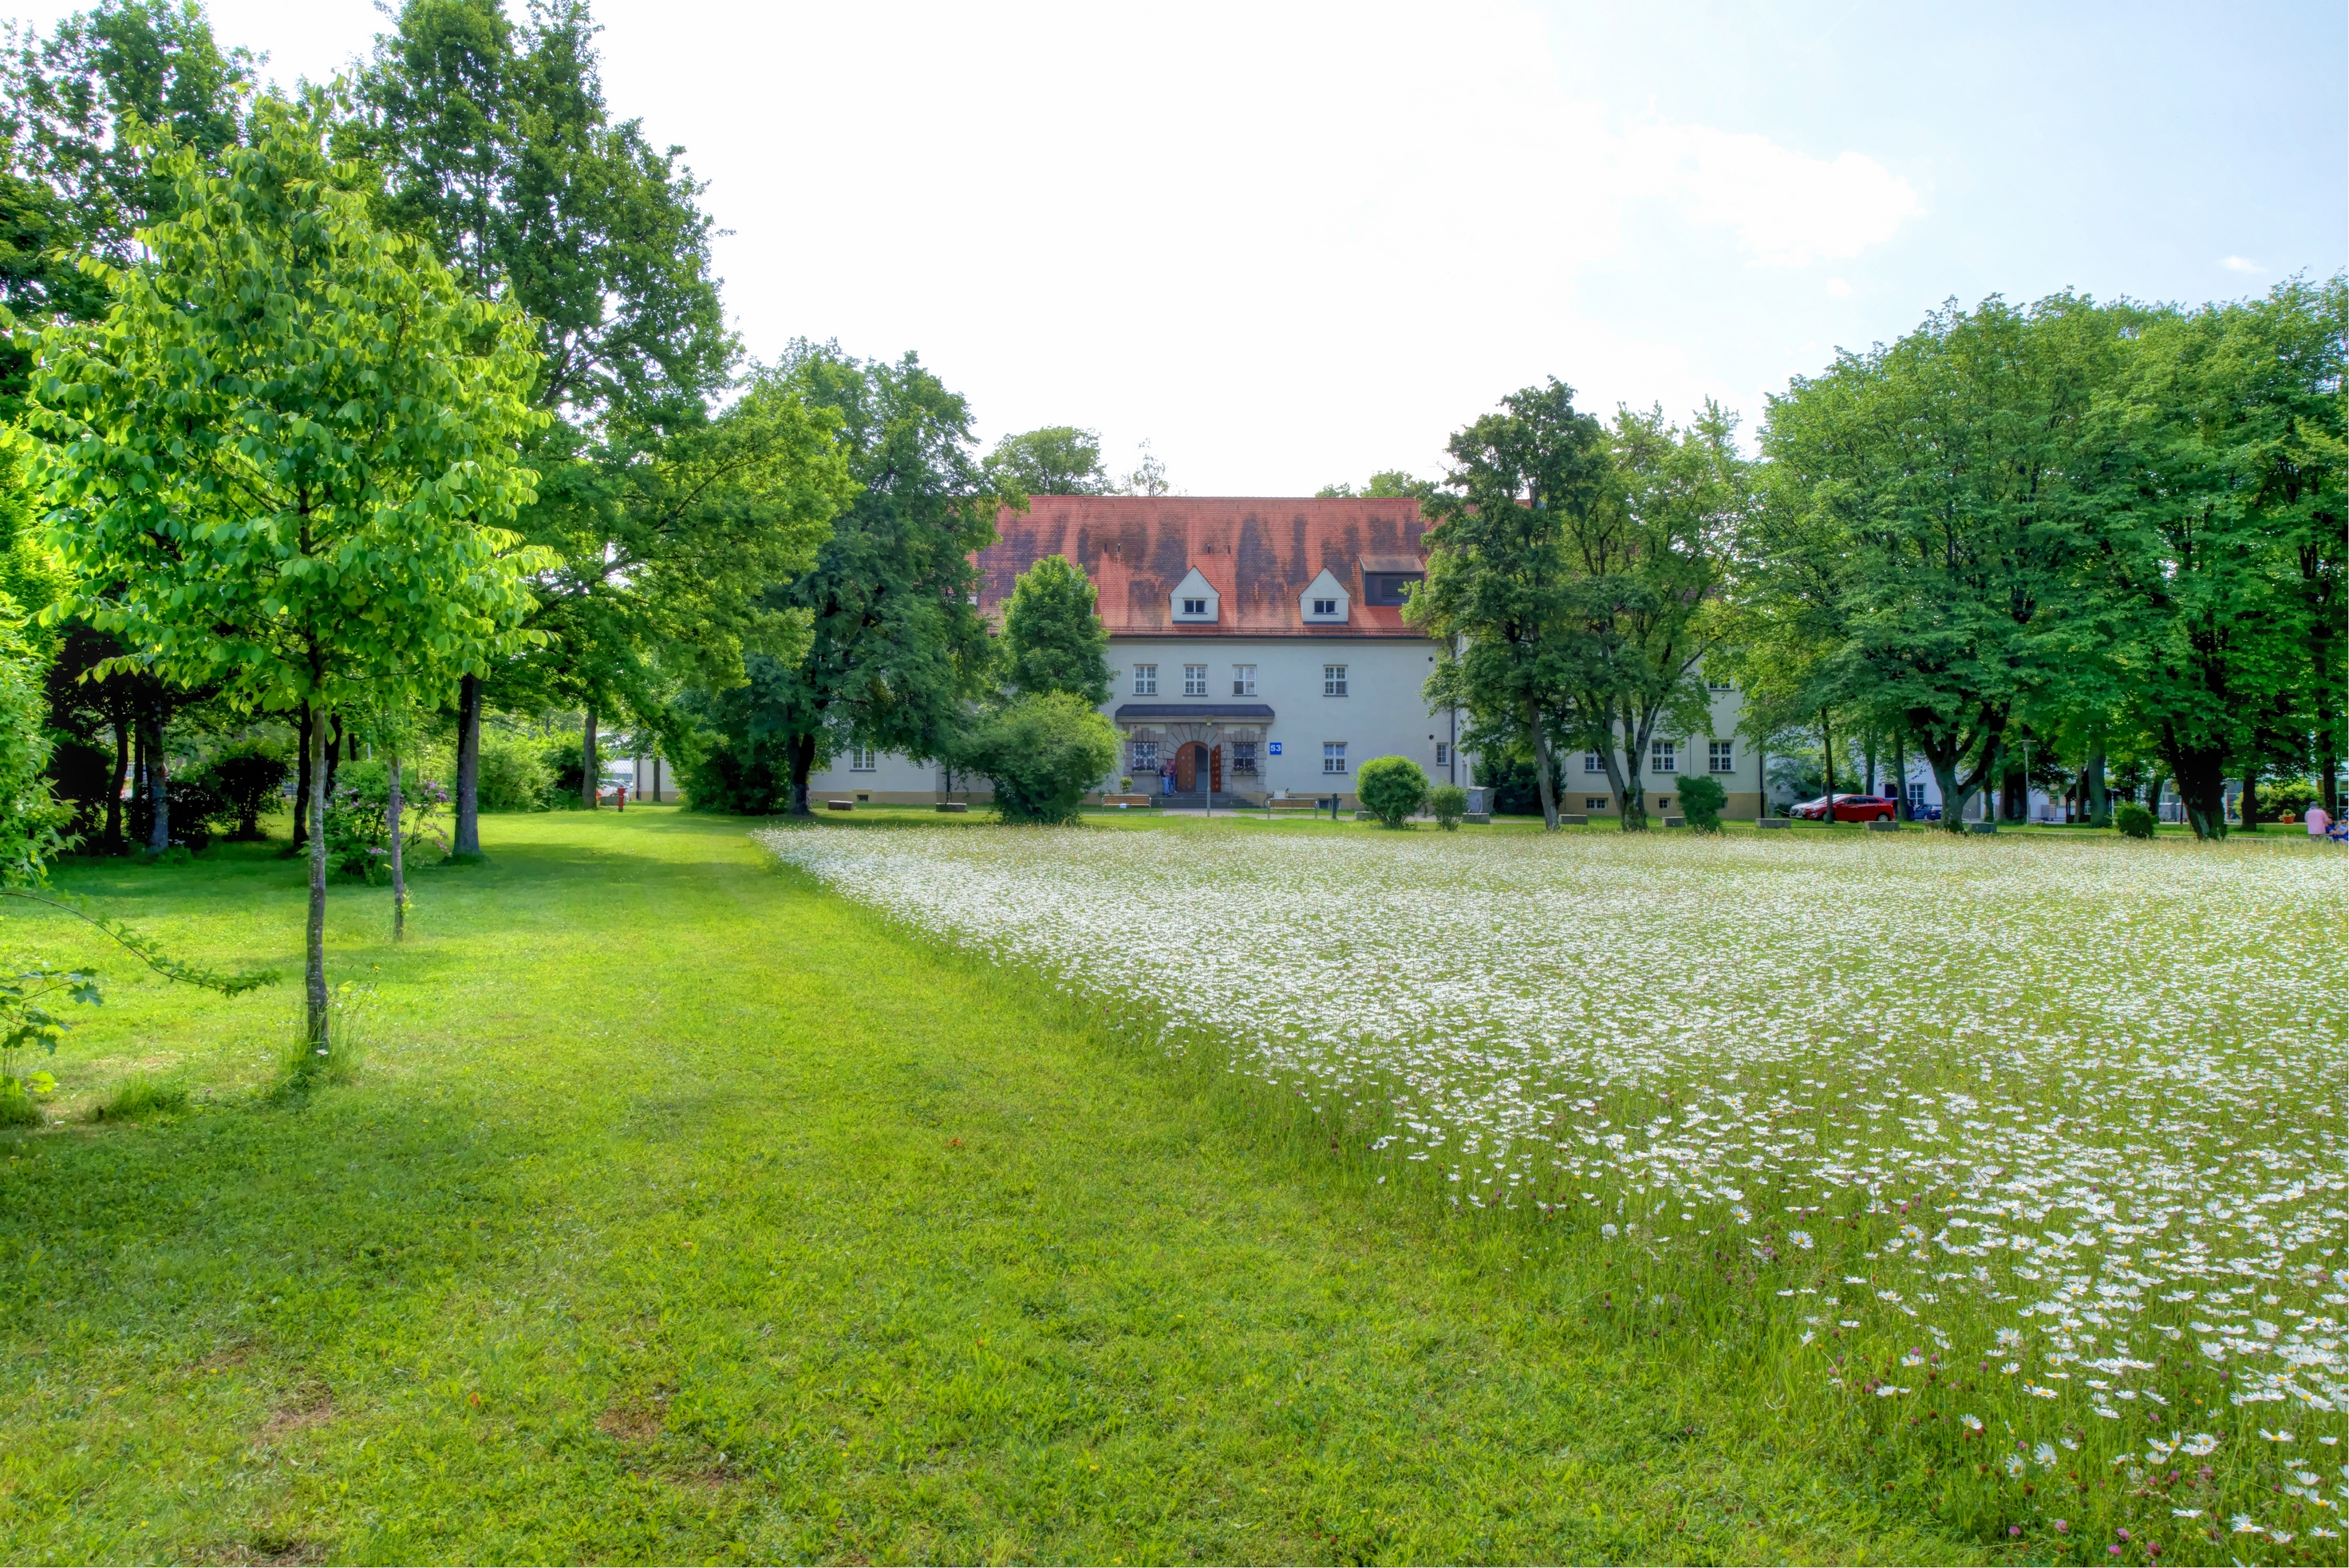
(1275, 748)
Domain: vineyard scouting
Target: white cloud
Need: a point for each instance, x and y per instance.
(1786, 206)
(2240, 263)
(1837, 288)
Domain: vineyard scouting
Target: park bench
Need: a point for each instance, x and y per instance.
(840, 805)
(954, 805)
(1773, 822)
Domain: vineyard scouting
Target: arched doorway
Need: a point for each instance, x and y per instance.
(1199, 766)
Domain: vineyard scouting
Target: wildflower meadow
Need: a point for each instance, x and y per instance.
(2021, 1159)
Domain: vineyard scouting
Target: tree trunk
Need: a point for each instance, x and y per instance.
(2153, 793)
(2250, 802)
(467, 840)
(1635, 795)
(159, 773)
(802, 764)
(588, 769)
(2201, 785)
(2100, 803)
(113, 842)
(333, 765)
(1827, 750)
(399, 865)
(1545, 778)
(1867, 749)
(1900, 774)
(313, 974)
(2329, 783)
(301, 770)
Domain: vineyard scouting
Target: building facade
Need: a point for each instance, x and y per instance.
(1257, 647)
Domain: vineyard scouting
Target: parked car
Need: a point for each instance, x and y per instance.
(1847, 808)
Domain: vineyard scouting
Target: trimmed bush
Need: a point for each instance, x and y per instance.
(1041, 752)
(1447, 804)
(247, 776)
(1392, 789)
(1701, 799)
(513, 777)
(2133, 820)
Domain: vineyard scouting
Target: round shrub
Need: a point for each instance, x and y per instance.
(1392, 789)
(1041, 752)
(1447, 804)
(513, 777)
(249, 775)
(1701, 799)
(2133, 820)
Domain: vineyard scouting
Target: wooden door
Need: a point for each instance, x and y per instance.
(1186, 767)
(1215, 770)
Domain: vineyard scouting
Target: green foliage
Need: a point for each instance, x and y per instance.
(1498, 579)
(514, 772)
(290, 448)
(1447, 802)
(1058, 459)
(247, 777)
(359, 818)
(1053, 639)
(1392, 789)
(2135, 821)
(1042, 753)
(1702, 798)
(890, 653)
(192, 806)
(30, 818)
(1387, 484)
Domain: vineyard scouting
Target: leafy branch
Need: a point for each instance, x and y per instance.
(150, 952)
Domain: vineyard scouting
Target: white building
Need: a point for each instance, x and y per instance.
(1258, 645)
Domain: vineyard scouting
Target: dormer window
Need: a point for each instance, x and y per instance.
(1193, 600)
(1389, 588)
(1324, 601)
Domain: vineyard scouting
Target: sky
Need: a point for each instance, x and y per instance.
(1289, 244)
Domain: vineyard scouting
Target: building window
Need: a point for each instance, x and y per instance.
(1244, 757)
(1719, 683)
(1145, 756)
(1333, 756)
(1386, 587)
(1333, 682)
(1325, 607)
(1242, 679)
(1591, 764)
(1663, 758)
(1145, 681)
(1195, 681)
(1195, 607)
(1916, 797)
(1722, 756)
(1594, 802)
(1443, 754)
(861, 760)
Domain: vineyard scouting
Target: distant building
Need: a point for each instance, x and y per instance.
(1258, 645)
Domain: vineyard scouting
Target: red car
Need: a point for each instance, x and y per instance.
(1848, 809)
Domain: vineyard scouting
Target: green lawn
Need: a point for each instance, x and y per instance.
(682, 1212)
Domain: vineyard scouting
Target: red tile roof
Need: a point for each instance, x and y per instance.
(1259, 554)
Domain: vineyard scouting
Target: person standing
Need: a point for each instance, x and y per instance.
(2318, 822)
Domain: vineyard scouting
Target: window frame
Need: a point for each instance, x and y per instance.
(1721, 757)
(1443, 754)
(1195, 607)
(1591, 763)
(1195, 681)
(1145, 681)
(1333, 751)
(1325, 607)
(864, 760)
(1142, 757)
(1333, 680)
(1664, 757)
(1242, 679)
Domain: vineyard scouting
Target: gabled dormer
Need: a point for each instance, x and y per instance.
(1195, 601)
(1324, 601)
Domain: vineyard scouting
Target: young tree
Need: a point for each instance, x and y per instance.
(1058, 459)
(1042, 751)
(1496, 593)
(290, 443)
(1053, 639)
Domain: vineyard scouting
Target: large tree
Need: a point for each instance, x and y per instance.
(290, 446)
(1496, 594)
(1946, 494)
(894, 652)
(2228, 525)
(495, 143)
(1646, 567)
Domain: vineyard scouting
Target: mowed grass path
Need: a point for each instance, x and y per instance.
(684, 1212)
